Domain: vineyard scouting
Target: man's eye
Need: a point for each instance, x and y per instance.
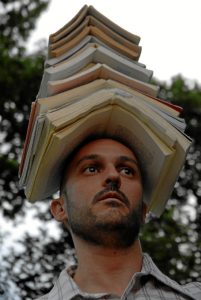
(127, 171)
(90, 170)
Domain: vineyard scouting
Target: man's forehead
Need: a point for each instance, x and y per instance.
(104, 147)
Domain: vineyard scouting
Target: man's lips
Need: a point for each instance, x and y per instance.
(112, 195)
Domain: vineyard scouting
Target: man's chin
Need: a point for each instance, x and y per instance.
(111, 226)
(113, 215)
(112, 221)
(111, 230)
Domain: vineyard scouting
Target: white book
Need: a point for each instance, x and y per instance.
(95, 55)
(98, 71)
(58, 100)
(109, 86)
(71, 111)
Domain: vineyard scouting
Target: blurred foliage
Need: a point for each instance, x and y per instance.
(20, 77)
(29, 267)
(17, 20)
(174, 240)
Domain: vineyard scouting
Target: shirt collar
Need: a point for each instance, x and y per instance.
(66, 288)
(149, 268)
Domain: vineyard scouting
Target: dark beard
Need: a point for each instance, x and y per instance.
(117, 235)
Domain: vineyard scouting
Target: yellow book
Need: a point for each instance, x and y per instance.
(71, 114)
(157, 157)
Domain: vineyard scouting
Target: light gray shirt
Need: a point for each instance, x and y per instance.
(149, 284)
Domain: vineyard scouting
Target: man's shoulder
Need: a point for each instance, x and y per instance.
(194, 289)
(191, 290)
(61, 285)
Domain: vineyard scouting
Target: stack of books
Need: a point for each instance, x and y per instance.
(93, 84)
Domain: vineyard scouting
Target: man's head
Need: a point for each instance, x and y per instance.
(103, 194)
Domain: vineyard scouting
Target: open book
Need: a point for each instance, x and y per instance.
(159, 131)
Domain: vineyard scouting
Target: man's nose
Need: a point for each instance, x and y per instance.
(112, 178)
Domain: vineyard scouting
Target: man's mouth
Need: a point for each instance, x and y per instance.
(112, 196)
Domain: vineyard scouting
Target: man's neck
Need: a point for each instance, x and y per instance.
(103, 270)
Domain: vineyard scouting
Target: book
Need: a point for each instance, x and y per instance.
(90, 20)
(150, 158)
(28, 134)
(61, 143)
(89, 41)
(58, 100)
(81, 15)
(98, 71)
(93, 30)
(93, 55)
(70, 114)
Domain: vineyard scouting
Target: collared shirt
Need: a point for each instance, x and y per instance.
(149, 284)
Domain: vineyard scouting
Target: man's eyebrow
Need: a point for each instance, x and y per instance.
(123, 158)
(87, 157)
(120, 159)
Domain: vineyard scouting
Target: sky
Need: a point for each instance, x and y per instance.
(170, 31)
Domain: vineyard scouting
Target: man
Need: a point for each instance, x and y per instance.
(102, 205)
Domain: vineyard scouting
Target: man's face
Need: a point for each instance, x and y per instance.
(104, 194)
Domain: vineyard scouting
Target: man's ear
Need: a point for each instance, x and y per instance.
(57, 208)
